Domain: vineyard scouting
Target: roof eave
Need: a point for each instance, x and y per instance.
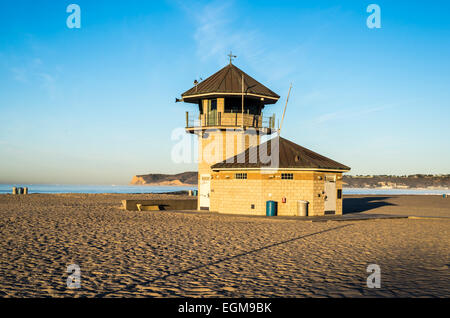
(279, 169)
(196, 97)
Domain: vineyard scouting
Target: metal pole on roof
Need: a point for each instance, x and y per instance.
(284, 111)
(242, 100)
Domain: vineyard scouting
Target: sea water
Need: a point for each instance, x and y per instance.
(64, 188)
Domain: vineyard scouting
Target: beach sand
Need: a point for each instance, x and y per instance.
(411, 205)
(171, 254)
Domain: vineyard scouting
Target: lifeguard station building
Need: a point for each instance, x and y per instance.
(239, 174)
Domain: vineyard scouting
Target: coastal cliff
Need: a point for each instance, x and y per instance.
(371, 181)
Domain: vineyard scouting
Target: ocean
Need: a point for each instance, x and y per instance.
(64, 188)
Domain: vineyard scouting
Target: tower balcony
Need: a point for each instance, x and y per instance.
(218, 120)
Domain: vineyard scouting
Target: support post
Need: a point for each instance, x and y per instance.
(242, 101)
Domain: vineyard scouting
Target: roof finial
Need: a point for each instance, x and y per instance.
(231, 56)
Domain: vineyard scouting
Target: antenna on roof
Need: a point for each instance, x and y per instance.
(284, 112)
(231, 56)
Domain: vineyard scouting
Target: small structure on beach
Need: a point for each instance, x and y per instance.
(239, 174)
(244, 186)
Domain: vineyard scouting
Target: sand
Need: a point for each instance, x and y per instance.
(411, 205)
(169, 254)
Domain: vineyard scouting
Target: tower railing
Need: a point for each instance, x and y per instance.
(220, 119)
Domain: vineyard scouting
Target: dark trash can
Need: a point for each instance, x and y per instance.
(271, 208)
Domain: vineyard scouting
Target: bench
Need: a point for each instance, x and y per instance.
(142, 207)
(189, 203)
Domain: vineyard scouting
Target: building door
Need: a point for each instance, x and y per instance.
(204, 190)
(330, 195)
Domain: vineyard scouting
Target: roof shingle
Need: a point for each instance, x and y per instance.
(290, 155)
(229, 80)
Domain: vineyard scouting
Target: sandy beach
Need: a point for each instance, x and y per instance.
(172, 254)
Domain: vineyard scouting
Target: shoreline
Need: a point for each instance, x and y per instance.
(184, 191)
(177, 185)
(163, 184)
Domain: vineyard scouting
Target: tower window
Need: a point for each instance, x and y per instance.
(251, 106)
(213, 104)
(240, 176)
(287, 176)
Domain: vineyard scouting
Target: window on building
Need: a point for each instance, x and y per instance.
(207, 106)
(287, 176)
(240, 176)
(251, 106)
(339, 194)
(213, 104)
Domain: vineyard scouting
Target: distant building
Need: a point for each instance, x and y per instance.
(238, 174)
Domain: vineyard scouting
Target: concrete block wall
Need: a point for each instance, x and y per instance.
(236, 196)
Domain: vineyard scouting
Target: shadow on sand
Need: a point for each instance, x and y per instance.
(362, 204)
(201, 266)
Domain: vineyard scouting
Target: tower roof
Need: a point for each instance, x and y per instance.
(291, 155)
(228, 82)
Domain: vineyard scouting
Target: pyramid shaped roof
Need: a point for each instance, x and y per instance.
(290, 155)
(228, 81)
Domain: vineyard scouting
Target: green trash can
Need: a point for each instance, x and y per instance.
(271, 208)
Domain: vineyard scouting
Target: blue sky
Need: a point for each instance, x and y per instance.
(96, 105)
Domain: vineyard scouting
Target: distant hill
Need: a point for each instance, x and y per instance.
(370, 181)
(185, 178)
(398, 182)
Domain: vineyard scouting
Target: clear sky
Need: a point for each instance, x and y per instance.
(96, 104)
